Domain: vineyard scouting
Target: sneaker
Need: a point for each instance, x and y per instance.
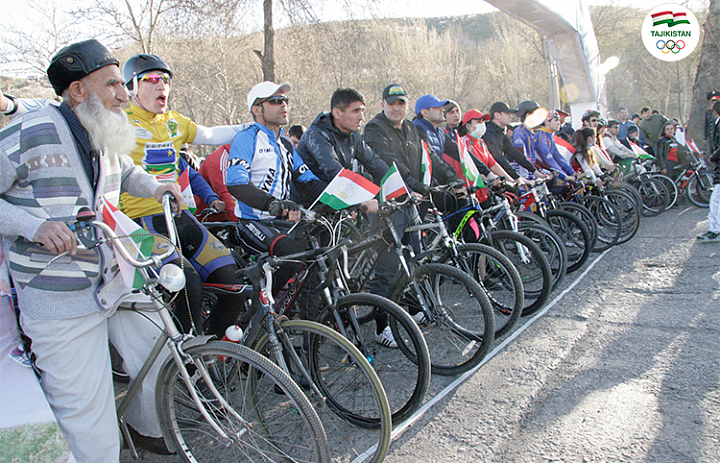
(19, 356)
(709, 237)
(386, 338)
(420, 318)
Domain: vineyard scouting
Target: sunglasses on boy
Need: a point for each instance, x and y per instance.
(155, 77)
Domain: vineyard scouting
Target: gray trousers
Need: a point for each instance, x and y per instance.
(77, 380)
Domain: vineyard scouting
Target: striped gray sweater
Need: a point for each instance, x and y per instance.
(42, 178)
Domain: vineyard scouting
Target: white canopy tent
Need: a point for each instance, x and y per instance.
(571, 50)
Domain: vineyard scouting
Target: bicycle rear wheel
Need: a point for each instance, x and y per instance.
(271, 419)
(629, 211)
(461, 326)
(352, 405)
(404, 371)
(584, 214)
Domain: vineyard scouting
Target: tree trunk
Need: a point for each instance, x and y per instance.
(268, 58)
(706, 78)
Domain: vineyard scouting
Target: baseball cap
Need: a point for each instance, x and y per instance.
(500, 107)
(265, 90)
(471, 114)
(525, 107)
(428, 101)
(76, 61)
(394, 92)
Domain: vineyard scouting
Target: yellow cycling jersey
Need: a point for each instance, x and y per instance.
(159, 138)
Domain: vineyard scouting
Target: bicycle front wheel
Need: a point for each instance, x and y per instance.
(460, 328)
(403, 371)
(266, 417)
(700, 188)
(352, 405)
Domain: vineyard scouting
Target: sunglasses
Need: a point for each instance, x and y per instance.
(275, 100)
(594, 120)
(154, 77)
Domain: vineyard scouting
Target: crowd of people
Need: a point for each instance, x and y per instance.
(114, 136)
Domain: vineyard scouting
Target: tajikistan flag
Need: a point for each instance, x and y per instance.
(669, 18)
(187, 194)
(136, 241)
(472, 176)
(348, 189)
(392, 185)
(642, 154)
(426, 165)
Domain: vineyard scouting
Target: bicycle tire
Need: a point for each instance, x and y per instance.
(551, 245)
(405, 371)
(700, 188)
(461, 330)
(280, 426)
(531, 263)
(353, 406)
(575, 236)
(670, 186)
(629, 211)
(630, 189)
(654, 195)
(608, 220)
(584, 214)
(497, 276)
(116, 364)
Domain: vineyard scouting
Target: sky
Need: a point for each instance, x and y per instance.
(16, 12)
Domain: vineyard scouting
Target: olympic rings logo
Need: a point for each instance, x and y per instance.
(670, 46)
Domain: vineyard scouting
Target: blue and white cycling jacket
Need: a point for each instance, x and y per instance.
(257, 157)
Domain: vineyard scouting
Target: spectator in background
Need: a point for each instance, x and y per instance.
(651, 127)
(623, 123)
(295, 132)
(566, 131)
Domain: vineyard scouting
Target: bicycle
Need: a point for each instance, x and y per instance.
(451, 308)
(208, 410)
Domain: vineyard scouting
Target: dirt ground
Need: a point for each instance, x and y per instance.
(623, 367)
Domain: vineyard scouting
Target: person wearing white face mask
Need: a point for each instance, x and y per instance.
(473, 128)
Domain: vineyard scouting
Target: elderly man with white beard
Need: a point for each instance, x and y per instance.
(53, 162)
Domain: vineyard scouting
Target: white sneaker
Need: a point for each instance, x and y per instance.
(386, 338)
(420, 318)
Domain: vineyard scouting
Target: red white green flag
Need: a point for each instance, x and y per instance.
(187, 194)
(472, 176)
(564, 148)
(426, 166)
(348, 189)
(392, 185)
(136, 241)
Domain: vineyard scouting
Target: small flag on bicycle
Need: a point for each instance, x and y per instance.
(348, 189)
(392, 185)
(426, 166)
(693, 147)
(470, 172)
(188, 197)
(137, 242)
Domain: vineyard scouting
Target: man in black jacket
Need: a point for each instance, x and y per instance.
(398, 140)
(333, 141)
(500, 146)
